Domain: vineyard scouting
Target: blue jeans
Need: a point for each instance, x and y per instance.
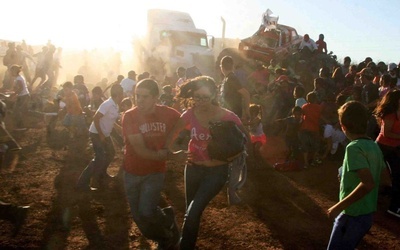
(144, 194)
(104, 153)
(392, 158)
(202, 184)
(348, 231)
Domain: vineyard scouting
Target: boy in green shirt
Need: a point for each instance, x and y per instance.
(359, 181)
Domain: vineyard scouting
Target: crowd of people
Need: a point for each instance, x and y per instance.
(350, 107)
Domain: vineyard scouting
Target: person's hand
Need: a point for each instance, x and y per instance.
(333, 211)
(180, 156)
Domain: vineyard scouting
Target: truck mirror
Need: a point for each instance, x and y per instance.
(211, 42)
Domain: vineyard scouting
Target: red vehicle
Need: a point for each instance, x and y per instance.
(266, 44)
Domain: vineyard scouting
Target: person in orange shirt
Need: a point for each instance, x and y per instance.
(309, 130)
(74, 119)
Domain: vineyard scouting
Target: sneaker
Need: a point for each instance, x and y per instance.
(233, 198)
(395, 212)
(173, 242)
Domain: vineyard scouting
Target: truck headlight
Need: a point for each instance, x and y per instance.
(246, 48)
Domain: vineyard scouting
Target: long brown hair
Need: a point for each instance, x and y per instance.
(388, 105)
(187, 90)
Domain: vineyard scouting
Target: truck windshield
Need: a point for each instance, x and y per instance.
(185, 38)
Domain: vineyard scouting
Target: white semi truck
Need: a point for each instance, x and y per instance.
(172, 40)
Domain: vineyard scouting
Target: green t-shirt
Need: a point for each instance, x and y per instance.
(361, 153)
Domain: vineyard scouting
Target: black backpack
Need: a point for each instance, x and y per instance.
(227, 141)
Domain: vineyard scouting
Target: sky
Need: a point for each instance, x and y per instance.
(355, 28)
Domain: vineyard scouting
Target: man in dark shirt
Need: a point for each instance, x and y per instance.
(234, 96)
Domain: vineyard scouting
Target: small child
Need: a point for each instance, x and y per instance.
(359, 180)
(74, 119)
(292, 126)
(257, 135)
(298, 94)
(309, 130)
(116, 133)
(167, 98)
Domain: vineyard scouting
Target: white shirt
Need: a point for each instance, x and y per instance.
(310, 44)
(127, 84)
(109, 109)
(25, 90)
(300, 102)
(180, 82)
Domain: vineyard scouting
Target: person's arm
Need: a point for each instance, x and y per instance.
(137, 143)
(363, 188)
(96, 120)
(387, 129)
(179, 126)
(313, 45)
(246, 103)
(118, 128)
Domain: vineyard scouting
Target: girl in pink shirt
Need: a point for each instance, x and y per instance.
(204, 177)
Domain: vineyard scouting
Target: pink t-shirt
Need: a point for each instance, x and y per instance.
(392, 142)
(200, 136)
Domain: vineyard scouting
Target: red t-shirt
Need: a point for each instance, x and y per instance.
(154, 128)
(392, 142)
(311, 117)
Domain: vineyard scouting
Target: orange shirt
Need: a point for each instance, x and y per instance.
(72, 103)
(311, 117)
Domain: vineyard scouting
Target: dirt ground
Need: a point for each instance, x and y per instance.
(280, 210)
